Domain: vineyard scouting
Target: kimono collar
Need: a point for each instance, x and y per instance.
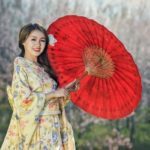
(28, 62)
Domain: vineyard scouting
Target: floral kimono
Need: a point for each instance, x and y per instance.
(36, 123)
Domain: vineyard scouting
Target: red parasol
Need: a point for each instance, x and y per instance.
(110, 84)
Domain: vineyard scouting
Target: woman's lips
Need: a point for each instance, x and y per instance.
(36, 49)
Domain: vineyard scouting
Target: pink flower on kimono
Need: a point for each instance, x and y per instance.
(39, 70)
(26, 102)
(11, 132)
(51, 105)
(23, 123)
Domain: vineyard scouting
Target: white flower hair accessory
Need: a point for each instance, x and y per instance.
(52, 39)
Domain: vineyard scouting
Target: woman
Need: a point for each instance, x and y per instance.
(38, 121)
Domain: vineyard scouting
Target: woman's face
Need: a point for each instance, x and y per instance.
(34, 45)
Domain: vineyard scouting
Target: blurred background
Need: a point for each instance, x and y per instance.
(129, 20)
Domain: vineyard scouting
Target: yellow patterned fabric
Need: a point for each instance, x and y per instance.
(36, 123)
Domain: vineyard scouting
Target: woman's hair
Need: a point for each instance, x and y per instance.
(42, 58)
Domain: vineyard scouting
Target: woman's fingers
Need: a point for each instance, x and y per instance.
(77, 86)
(66, 92)
(70, 84)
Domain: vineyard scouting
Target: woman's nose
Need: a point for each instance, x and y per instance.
(38, 43)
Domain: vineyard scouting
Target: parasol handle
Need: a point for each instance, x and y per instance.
(81, 77)
(73, 85)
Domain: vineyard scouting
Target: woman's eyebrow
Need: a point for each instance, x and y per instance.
(36, 37)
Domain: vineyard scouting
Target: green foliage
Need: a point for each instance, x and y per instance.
(142, 136)
(93, 137)
(5, 114)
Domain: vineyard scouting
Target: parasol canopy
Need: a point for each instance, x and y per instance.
(110, 83)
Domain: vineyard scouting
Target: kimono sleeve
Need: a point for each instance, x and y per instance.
(10, 98)
(27, 104)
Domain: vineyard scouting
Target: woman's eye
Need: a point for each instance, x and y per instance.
(33, 39)
(43, 41)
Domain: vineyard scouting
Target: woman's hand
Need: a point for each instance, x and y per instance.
(61, 92)
(73, 86)
(64, 92)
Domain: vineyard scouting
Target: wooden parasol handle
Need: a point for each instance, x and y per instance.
(74, 84)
